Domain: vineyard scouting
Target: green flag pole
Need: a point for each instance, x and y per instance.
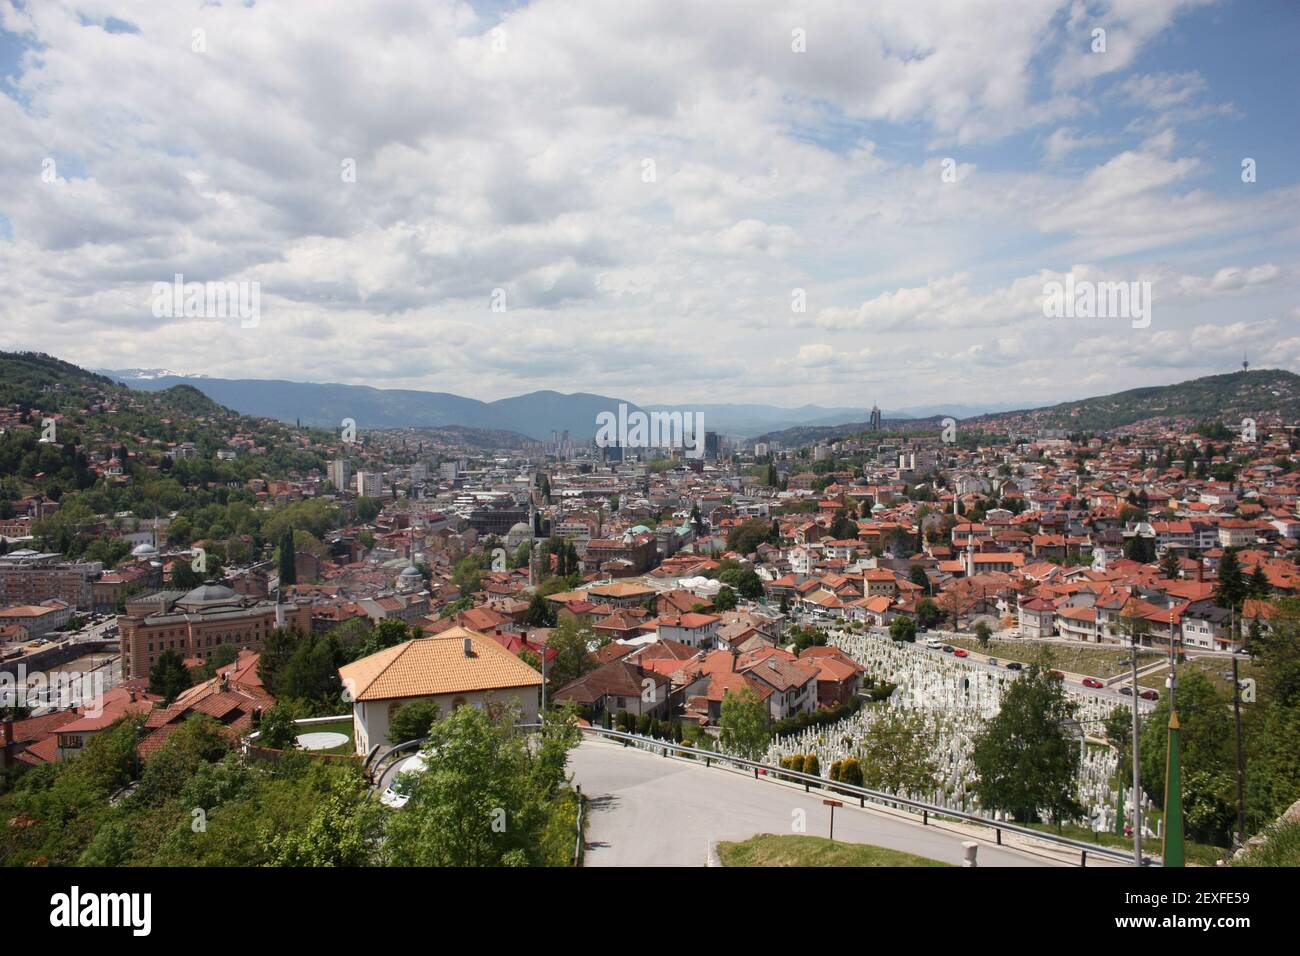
(1173, 849)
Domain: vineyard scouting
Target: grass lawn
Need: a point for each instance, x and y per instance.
(336, 727)
(1212, 667)
(1097, 661)
(768, 849)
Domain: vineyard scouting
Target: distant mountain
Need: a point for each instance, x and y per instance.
(536, 414)
(1226, 398)
(800, 435)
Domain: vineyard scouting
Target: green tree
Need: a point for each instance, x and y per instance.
(725, 600)
(412, 721)
(485, 800)
(903, 628)
(344, 829)
(1025, 761)
(571, 641)
(745, 724)
(898, 754)
(285, 556)
(1230, 590)
(168, 677)
(540, 613)
(983, 633)
(1205, 752)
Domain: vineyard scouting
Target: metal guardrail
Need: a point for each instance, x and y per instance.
(776, 774)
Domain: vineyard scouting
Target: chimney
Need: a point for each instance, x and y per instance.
(469, 648)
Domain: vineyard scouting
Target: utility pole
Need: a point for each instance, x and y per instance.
(1137, 764)
(1173, 848)
(1236, 717)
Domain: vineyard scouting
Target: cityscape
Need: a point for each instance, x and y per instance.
(510, 435)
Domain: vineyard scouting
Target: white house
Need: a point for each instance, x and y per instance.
(456, 668)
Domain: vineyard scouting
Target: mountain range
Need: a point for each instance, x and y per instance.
(538, 414)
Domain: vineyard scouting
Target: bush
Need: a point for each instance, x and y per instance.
(851, 772)
(835, 770)
(796, 763)
(811, 765)
(643, 725)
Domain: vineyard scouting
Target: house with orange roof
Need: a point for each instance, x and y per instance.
(457, 668)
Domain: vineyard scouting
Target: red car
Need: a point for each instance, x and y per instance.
(1150, 695)
(960, 652)
(1092, 682)
(1056, 674)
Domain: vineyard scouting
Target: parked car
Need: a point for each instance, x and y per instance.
(960, 652)
(933, 644)
(1150, 695)
(1093, 682)
(993, 662)
(1126, 691)
(947, 648)
(398, 793)
(1014, 665)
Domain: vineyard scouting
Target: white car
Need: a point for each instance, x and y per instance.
(398, 793)
(933, 644)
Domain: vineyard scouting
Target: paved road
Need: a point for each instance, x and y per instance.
(647, 810)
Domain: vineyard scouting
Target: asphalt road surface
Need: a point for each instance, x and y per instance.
(647, 810)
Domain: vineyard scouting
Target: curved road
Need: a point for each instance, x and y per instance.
(648, 810)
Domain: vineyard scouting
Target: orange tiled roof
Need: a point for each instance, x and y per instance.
(437, 665)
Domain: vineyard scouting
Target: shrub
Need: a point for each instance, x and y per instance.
(811, 765)
(836, 768)
(851, 772)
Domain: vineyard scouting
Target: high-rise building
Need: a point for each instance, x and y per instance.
(875, 418)
(340, 473)
(370, 484)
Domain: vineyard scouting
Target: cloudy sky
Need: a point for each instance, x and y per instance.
(824, 201)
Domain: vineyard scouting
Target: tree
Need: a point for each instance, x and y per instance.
(844, 527)
(903, 628)
(1257, 585)
(168, 677)
(539, 613)
(983, 633)
(486, 798)
(1231, 588)
(1170, 565)
(725, 600)
(745, 724)
(288, 569)
(1119, 731)
(1025, 760)
(898, 754)
(571, 642)
(927, 613)
(745, 537)
(412, 721)
(749, 585)
(916, 574)
(278, 730)
(344, 829)
(1206, 757)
